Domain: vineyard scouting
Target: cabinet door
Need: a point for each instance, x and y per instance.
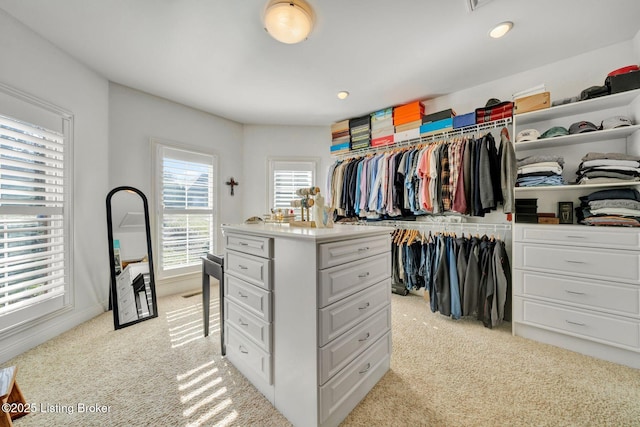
(339, 352)
(250, 268)
(254, 245)
(243, 321)
(598, 327)
(339, 282)
(343, 392)
(336, 253)
(586, 262)
(340, 317)
(255, 300)
(604, 295)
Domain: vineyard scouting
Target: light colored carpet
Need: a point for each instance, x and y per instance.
(163, 372)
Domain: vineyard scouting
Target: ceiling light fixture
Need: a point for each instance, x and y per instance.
(288, 21)
(501, 29)
(343, 94)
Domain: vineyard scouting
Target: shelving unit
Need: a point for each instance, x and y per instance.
(574, 147)
(575, 286)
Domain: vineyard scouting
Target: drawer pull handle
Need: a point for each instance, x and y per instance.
(576, 237)
(365, 338)
(574, 292)
(243, 267)
(366, 248)
(364, 371)
(575, 323)
(243, 243)
(364, 307)
(242, 295)
(242, 322)
(243, 350)
(363, 275)
(574, 262)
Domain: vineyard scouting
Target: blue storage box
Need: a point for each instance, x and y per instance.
(464, 120)
(340, 147)
(430, 127)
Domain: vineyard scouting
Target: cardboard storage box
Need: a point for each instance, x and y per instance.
(535, 102)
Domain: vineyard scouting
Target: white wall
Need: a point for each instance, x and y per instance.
(262, 142)
(563, 79)
(136, 117)
(32, 65)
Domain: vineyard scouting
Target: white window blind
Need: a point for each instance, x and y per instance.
(186, 222)
(33, 220)
(286, 176)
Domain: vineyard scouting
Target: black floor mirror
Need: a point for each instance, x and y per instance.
(133, 292)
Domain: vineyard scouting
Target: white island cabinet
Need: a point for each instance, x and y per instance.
(308, 315)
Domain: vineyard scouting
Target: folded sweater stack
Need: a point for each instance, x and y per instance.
(613, 207)
(540, 170)
(598, 168)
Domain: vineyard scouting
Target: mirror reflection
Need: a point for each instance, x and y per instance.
(132, 282)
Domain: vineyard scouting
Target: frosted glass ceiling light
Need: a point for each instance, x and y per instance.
(288, 21)
(501, 29)
(343, 94)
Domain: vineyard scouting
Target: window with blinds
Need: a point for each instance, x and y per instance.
(286, 176)
(34, 219)
(186, 197)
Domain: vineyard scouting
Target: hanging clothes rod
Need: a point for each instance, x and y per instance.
(444, 226)
(428, 139)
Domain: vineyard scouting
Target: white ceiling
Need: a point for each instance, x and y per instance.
(214, 55)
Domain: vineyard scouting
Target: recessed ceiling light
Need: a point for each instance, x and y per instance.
(501, 29)
(343, 94)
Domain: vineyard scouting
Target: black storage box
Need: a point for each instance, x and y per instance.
(526, 217)
(526, 202)
(527, 209)
(623, 82)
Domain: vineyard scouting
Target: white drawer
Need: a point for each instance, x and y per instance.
(606, 264)
(338, 318)
(612, 330)
(604, 295)
(256, 329)
(254, 245)
(127, 312)
(343, 392)
(126, 296)
(339, 282)
(579, 236)
(251, 268)
(242, 352)
(336, 253)
(255, 300)
(338, 353)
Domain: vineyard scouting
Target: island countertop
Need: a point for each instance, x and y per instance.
(338, 232)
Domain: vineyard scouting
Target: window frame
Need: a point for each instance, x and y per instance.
(273, 162)
(156, 217)
(42, 311)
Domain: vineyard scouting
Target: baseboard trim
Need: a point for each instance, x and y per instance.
(178, 285)
(17, 344)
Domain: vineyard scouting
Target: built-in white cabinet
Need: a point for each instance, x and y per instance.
(308, 315)
(576, 286)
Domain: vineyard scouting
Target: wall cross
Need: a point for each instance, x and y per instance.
(232, 183)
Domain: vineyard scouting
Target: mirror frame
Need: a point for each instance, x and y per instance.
(152, 282)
